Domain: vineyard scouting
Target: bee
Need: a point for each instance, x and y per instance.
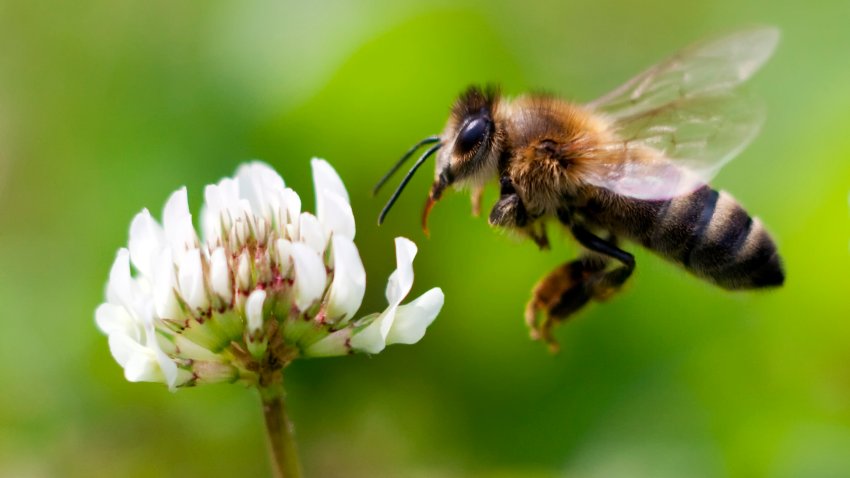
(633, 165)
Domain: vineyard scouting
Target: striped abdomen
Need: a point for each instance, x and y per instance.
(706, 231)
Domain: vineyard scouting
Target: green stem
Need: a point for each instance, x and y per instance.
(279, 432)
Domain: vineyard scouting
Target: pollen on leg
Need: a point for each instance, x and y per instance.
(541, 312)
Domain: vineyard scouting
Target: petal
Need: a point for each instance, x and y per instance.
(260, 184)
(261, 227)
(119, 289)
(211, 225)
(412, 319)
(336, 343)
(283, 256)
(123, 289)
(401, 280)
(312, 233)
(372, 338)
(254, 310)
(332, 202)
(146, 240)
(243, 271)
(114, 319)
(220, 280)
(122, 347)
(310, 275)
(335, 214)
(240, 230)
(220, 207)
(139, 362)
(326, 177)
(177, 222)
(349, 282)
(143, 367)
(191, 280)
(166, 365)
(165, 300)
(292, 203)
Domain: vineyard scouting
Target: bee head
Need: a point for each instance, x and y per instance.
(470, 140)
(467, 149)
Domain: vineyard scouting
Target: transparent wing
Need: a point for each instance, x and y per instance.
(676, 124)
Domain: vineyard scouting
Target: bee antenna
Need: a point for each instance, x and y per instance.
(407, 178)
(397, 165)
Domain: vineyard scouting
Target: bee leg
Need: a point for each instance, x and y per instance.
(475, 199)
(509, 211)
(570, 287)
(605, 283)
(537, 232)
(561, 293)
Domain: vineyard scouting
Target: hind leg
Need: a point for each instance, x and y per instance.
(570, 287)
(560, 294)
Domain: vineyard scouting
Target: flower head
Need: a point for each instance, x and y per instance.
(266, 283)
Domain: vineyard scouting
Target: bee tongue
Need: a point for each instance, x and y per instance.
(429, 204)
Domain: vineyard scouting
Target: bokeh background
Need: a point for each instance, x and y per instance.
(108, 106)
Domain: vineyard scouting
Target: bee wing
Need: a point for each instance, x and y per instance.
(678, 123)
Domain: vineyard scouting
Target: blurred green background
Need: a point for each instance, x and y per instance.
(108, 106)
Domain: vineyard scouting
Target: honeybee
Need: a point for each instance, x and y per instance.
(632, 165)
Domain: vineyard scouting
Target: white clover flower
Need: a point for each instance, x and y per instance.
(267, 284)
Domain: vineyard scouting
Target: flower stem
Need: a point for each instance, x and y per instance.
(279, 432)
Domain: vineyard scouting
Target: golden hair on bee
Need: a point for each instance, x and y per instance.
(633, 165)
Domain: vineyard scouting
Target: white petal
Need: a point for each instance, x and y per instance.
(211, 225)
(143, 367)
(283, 256)
(254, 310)
(191, 280)
(310, 275)
(220, 275)
(139, 362)
(261, 226)
(292, 203)
(166, 365)
(220, 207)
(243, 271)
(227, 196)
(401, 280)
(119, 287)
(372, 339)
(250, 188)
(240, 230)
(326, 177)
(336, 343)
(312, 233)
(122, 347)
(349, 282)
(332, 202)
(123, 289)
(177, 222)
(146, 240)
(335, 214)
(260, 185)
(412, 319)
(165, 300)
(114, 319)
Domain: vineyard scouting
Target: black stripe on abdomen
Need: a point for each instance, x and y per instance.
(713, 236)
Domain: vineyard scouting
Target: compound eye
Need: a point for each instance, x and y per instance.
(472, 134)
